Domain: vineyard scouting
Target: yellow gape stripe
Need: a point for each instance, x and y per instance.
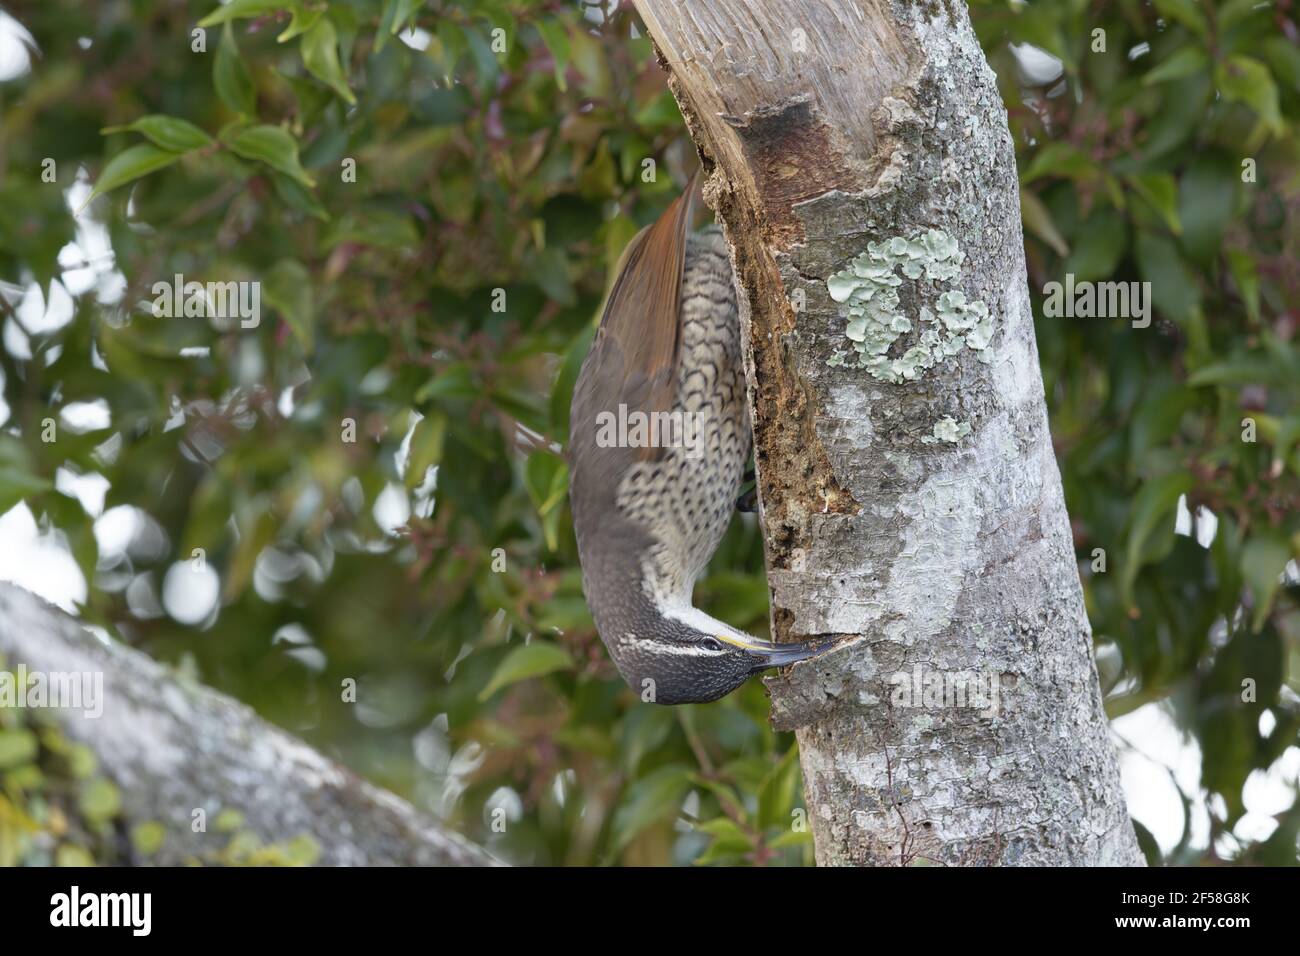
(737, 642)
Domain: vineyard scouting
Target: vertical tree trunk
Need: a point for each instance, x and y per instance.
(864, 173)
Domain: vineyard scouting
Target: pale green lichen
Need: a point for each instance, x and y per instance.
(947, 429)
(869, 288)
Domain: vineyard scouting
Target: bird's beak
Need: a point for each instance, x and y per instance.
(767, 654)
(779, 655)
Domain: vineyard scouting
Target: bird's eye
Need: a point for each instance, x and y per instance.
(712, 644)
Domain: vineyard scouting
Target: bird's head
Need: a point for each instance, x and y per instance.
(691, 658)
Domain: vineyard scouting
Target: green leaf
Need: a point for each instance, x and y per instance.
(397, 15)
(452, 46)
(1207, 196)
(228, 821)
(776, 795)
(792, 838)
(1255, 368)
(1149, 513)
(644, 731)
(564, 614)
(82, 762)
(1059, 159)
(381, 228)
(545, 475)
(1232, 12)
(100, 800)
(271, 145)
(661, 112)
(1284, 57)
(320, 54)
(303, 19)
(649, 800)
(549, 269)
(404, 14)
(1185, 62)
(169, 132)
(1244, 273)
(556, 37)
(17, 747)
(27, 778)
(1286, 438)
(243, 10)
(288, 289)
(547, 478)
(1157, 417)
(1038, 220)
(1186, 12)
(69, 854)
(147, 838)
(1099, 244)
(17, 480)
(1262, 560)
(729, 841)
(1161, 191)
(303, 850)
(1181, 113)
(1248, 81)
(16, 486)
(724, 793)
(562, 392)
(454, 381)
(723, 827)
(486, 66)
(129, 165)
(534, 659)
(298, 197)
(426, 447)
(231, 78)
(1175, 288)
(255, 533)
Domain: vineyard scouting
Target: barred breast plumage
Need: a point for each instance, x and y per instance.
(686, 500)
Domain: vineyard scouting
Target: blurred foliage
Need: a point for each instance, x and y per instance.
(432, 195)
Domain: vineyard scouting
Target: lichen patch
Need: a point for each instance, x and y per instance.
(947, 429)
(869, 286)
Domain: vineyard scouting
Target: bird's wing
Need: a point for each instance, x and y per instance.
(633, 360)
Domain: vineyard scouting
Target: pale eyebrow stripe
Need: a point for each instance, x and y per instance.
(670, 647)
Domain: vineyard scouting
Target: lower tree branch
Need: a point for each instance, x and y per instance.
(173, 747)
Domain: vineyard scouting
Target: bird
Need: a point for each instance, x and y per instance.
(650, 507)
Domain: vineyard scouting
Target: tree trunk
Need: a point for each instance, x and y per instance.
(172, 748)
(865, 176)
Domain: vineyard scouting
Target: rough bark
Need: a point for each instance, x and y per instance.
(936, 553)
(172, 747)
